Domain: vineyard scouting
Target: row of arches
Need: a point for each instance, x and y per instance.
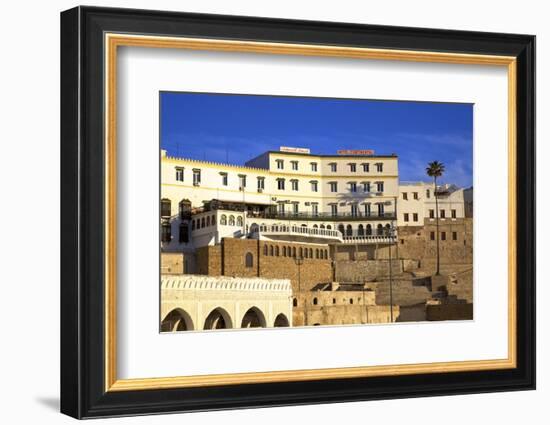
(178, 320)
(207, 221)
(364, 230)
(231, 220)
(293, 252)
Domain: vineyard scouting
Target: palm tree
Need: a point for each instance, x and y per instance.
(436, 169)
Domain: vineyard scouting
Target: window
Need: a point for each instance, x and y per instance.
(442, 213)
(380, 167)
(280, 164)
(196, 177)
(380, 186)
(294, 184)
(354, 210)
(223, 220)
(166, 232)
(248, 260)
(428, 193)
(295, 302)
(415, 216)
(432, 213)
(367, 209)
(165, 207)
(242, 181)
(432, 236)
(349, 230)
(333, 186)
(313, 166)
(281, 184)
(224, 179)
(352, 186)
(405, 196)
(406, 217)
(334, 210)
(366, 187)
(231, 220)
(315, 209)
(453, 213)
(239, 221)
(415, 196)
(380, 210)
(281, 208)
(265, 249)
(353, 168)
(455, 236)
(295, 207)
(314, 186)
(365, 167)
(443, 236)
(294, 165)
(261, 184)
(179, 174)
(184, 233)
(333, 167)
(315, 301)
(360, 230)
(184, 209)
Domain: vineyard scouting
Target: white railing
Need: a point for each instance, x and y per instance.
(281, 229)
(370, 239)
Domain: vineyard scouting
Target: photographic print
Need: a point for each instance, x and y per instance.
(297, 211)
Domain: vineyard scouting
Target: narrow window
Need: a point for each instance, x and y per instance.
(295, 302)
(380, 167)
(406, 217)
(315, 301)
(365, 167)
(354, 210)
(443, 236)
(453, 213)
(415, 196)
(280, 164)
(249, 260)
(334, 210)
(405, 196)
(295, 208)
(313, 166)
(281, 184)
(294, 165)
(196, 177)
(349, 230)
(366, 187)
(294, 184)
(352, 186)
(432, 213)
(353, 168)
(165, 207)
(224, 179)
(415, 216)
(315, 209)
(367, 209)
(441, 213)
(166, 232)
(380, 186)
(432, 236)
(428, 193)
(333, 167)
(261, 184)
(314, 186)
(455, 236)
(380, 210)
(179, 174)
(333, 186)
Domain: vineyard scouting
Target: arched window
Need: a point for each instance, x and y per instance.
(198, 223)
(294, 251)
(213, 220)
(265, 249)
(301, 252)
(388, 229)
(203, 222)
(231, 220)
(369, 230)
(315, 226)
(208, 221)
(322, 226)
(329, 227)
(379, 230)
(351, 300)
(315, 301)
(306, 253)
(349, 230)
(284, 251)
(165, 207)
(223, 220)
(295, 302)
(310, 252)
(271, 250)
(326, 254)
(239, 221)
(193, 225)
(277, 251)
(360, 230)
(249, 260)
(317, 253)
(184, 233)
(341, 229)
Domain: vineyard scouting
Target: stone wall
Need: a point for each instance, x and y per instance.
(450, 312)
(365, 270)
(414, 242)
(171, 263)
(268, 261)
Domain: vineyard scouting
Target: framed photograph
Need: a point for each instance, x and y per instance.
(261, 212)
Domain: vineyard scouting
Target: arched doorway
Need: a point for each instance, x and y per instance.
(253, 318)
(281, 321)
(218, 319)
(177, 321)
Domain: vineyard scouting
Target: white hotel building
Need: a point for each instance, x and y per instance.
(288, 195)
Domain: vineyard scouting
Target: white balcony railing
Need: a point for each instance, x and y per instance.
(369, 239)
(301, 231)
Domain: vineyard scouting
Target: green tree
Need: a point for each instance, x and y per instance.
(436, 169)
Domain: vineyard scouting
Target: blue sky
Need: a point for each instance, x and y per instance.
(235, 128)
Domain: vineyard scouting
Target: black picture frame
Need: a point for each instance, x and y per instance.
(83, 392)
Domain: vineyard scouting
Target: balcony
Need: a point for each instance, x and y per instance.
(370, 239)
(323, 216)
(295, 233)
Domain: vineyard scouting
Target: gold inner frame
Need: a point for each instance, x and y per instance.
(113, 41)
